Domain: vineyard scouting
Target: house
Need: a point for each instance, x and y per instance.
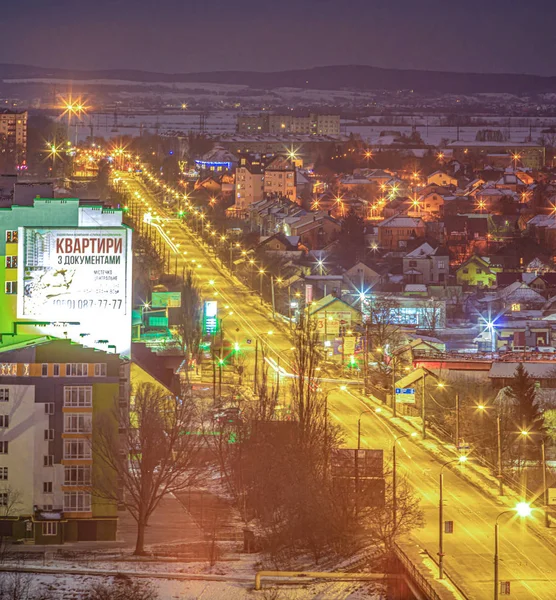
(426, 264)
(362, 277)
(280, 245)
(333, 316)
(441, 178)
(394, 233)
(543, 229)
(476, 271)
(315, 229)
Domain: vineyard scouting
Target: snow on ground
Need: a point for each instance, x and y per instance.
(71, 587)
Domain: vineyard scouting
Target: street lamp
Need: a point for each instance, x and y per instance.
(375, 410)
(261, 275)
(461, 460)
(523, 510)
(482, 408)
(525, 433)
(394, 478)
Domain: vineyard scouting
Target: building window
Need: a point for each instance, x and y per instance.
(4, 473)
(56, 370)
(4, 395)
(44, 370)
(412, 263)
(47, 487)
(77, 423)
(77, 502)
(77, 475)
(465, 271)
(4, 498)
(479, 271)
(49, 408)
(10, 287)
(4, 421)
(48, 460)
(77, 369)
(77, 449)
(3, 447)
(100, 369)
(11, 237)
(49, 434)
(441, 264)
(50, 528)
(78, 395)
(11, 262)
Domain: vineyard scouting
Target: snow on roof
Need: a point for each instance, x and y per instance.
(415, 287)
(505, 370)
(396, 221)
(421, 251)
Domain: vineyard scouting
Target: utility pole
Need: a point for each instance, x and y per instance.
(273, 301)
(423, 411)
(256, 366)
(544, 486)
(499, 456)
(457, 420)
(394, 408)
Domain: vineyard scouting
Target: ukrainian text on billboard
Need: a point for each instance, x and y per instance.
(72, 274)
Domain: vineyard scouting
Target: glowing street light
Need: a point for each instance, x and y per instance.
(522, 510)
(461, 460)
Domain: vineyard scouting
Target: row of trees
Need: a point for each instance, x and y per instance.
(274, 455)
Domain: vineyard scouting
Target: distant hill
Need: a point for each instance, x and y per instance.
(356, 77)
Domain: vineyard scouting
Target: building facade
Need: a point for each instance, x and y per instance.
(13, 140)
(279, 179)
(312, 123)
(51, 395)
(249, 182)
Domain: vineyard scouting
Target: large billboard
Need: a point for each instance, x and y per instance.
(79, 279)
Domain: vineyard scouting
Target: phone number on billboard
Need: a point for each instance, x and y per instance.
(112, 304)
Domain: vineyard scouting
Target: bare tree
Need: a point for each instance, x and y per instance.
(384, 330)
(152, 455)
(308, 403)
(12, 501)
(433, 317)
(189, 319)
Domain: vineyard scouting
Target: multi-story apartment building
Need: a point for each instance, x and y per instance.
(259, 177)
(279, 179)
(13, 139)
(51, 395)
(313, 123)
(249, 182)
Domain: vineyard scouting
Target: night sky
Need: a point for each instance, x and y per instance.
(205, 35)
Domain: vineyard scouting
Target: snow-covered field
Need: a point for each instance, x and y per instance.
(70, 587)
(113, 125)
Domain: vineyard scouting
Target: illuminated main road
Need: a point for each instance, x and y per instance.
(527, 560)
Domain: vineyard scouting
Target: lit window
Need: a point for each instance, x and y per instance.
(50, 528)
(78, 395)
(79, 449)
(77, 502)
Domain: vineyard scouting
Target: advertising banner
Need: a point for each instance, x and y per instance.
(166, 299)
(77, 281)
(67, 274)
